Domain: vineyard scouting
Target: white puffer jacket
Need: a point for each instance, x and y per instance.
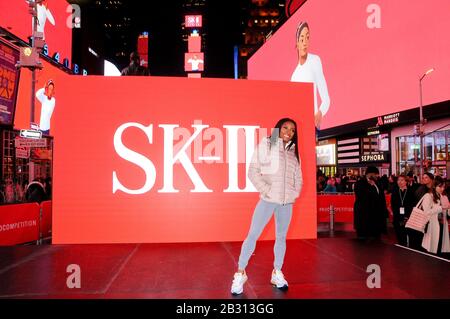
(276, 173)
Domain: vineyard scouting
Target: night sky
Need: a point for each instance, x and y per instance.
(162, 19)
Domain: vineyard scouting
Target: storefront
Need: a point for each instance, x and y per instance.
(356, 153)
(23, 160)
(326, 156)
(390, 142)
(407, 155)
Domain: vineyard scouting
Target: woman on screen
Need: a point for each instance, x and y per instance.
(44, 14)
(309, 69)
(275, 171)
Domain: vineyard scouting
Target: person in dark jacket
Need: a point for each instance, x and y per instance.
(135, 68)
(402, 203)
(370, 211)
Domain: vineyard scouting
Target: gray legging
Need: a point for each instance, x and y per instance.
(261, 216)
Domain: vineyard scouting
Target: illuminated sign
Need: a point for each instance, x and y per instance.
(194, 43)
(30, 134)
(194, 62)
(24, 142)
(22, 152)
(371, 132)
(326, 154)
(9, 80)
(56, 18)
(375, 157)
(388, 119)
(193, 21)
(358, 87)
(173, 166)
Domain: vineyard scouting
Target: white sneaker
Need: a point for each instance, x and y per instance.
(278, 280)
(238, 283)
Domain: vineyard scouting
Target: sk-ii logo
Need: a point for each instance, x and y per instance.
(178, 154)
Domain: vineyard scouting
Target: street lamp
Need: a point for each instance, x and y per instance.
(421, 124)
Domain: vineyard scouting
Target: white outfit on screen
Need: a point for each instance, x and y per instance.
(311, 71)
(48, 105)
(43, 14)
(195, 63)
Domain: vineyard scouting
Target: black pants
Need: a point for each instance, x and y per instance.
(415, 239)
(400, 232)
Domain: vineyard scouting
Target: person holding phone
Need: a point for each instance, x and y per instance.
(275, 171)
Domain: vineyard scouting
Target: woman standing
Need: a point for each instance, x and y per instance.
(275, 171)
(432, 205)
(309, 69)
(402, 203)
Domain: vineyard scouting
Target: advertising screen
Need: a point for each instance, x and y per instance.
(364, 57)
(154, 166)
(55, 21)
(23, 106)
(9, 80)
(194, 62)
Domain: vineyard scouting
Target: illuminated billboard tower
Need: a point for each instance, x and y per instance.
(194, 59)
(142, 48)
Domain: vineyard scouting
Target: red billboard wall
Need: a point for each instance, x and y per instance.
(372, 54)
(134, 162)
(14, 17)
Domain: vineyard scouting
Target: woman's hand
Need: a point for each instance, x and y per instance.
(318, 118)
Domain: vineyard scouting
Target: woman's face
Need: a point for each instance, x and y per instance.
(440, 188)
(287, 131)
(303, 42)
(401, 182)
(426, 180)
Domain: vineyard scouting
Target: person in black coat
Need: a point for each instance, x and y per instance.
(402, 203)
(370, 211)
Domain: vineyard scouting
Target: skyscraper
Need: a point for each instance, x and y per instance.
(260, 18)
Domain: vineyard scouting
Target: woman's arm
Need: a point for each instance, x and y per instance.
(254, 170)
(298, 178)
(322, 87)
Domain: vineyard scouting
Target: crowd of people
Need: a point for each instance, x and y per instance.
(371, 211)
(39, 190)
(335, 184)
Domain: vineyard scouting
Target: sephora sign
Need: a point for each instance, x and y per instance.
(152, 165)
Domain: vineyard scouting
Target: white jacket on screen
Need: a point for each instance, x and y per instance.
(311, 71)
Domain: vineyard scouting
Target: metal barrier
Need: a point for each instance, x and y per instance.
(332, 212)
